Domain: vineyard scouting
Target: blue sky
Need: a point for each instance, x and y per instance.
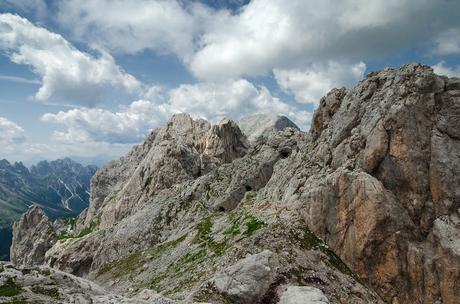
(91, 78)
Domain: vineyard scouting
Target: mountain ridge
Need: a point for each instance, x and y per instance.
(60, 187)
(361, 209)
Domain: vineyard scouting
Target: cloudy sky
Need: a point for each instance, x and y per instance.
(90, 78)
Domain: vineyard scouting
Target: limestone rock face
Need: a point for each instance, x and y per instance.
(33, 235)
(259, 126)
(183, 150)
(248, 280)
(303, 295)
(378, 179)
(364, 208)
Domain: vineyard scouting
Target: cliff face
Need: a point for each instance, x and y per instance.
(371, 193)
(385, 195)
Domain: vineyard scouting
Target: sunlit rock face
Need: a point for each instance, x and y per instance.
(362, 209)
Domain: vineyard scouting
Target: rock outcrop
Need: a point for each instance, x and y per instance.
(248, 280)
(33, 236)
(380, 179)
(363, 209)
(50, 286)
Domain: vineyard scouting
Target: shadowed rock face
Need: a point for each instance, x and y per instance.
(370, 193)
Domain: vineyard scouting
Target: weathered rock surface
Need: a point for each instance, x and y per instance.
(33, 236)
(303, 295)
(259, 126)
(42, 285)
(367, 201)
(183, 150)
(248, 280)
(380, 174)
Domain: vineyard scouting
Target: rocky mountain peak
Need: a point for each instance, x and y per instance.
(362, 209)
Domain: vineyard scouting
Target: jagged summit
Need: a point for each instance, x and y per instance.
(362, 209)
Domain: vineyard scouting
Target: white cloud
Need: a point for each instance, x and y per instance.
(10, 132)
(448, 42)
(270, 34)
(235, 99)
(263, 35)
(68, 75)
(441, 69)
(309, 85)
(130, 27)
(131, 124)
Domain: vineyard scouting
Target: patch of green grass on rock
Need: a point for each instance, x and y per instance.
(52, 292)
(309, 241)
(10, 288)
(135, 260)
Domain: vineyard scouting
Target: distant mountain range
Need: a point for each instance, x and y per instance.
(60, 187)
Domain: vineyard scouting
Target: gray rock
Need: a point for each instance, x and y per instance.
(46, 285)
(33, 236)
(371, 193)
(248, 280)
(303, 295)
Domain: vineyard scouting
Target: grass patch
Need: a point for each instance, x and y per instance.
(10, 288)
(133, 261)
(252, 225)
(309, 241)
(50, 292)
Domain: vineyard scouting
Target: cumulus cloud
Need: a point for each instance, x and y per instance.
(10, 132)
(264, 34)
(441, 69)
(67, 74)
(131, 124)
(309, 85)
(130, 27)
(235, 99)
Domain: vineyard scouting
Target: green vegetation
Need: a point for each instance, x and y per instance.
(309, 241)
(252, 225)
(10, 288)
(45, 272)
(85, 231)
(52, 292)
(133, 261)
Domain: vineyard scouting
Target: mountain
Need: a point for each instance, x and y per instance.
(60, 187)
(364, 208)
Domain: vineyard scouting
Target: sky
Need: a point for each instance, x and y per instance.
(90, 78)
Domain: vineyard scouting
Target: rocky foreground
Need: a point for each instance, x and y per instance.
(362, 209)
